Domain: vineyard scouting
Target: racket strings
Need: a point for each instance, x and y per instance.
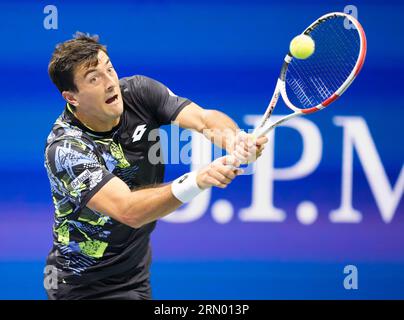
(317, 78)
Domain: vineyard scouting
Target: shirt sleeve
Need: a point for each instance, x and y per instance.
(161, 101)
(75, 171)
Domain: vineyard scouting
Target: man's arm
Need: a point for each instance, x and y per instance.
(133, 208)
(137, 208)
(221, 130)
(214, 125)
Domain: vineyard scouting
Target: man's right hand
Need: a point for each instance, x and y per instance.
(219, 173)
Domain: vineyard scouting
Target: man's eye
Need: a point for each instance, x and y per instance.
(93, 80)
(110, 69)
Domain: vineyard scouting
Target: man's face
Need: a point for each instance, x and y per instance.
(99, 95)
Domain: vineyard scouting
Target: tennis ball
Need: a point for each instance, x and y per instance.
(302, 46)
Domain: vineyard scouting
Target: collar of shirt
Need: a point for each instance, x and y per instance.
(76, 122)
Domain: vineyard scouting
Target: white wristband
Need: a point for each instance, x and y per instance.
(185, 188)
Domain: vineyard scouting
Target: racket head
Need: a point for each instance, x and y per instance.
(312, 84)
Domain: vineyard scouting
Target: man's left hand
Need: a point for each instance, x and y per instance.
(247, 148)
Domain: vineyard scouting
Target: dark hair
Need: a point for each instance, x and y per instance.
(82, 50)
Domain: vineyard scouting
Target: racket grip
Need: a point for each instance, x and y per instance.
(259, 132)
(241, 160)
(231, 166)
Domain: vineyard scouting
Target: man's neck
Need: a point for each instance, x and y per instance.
(92, 123)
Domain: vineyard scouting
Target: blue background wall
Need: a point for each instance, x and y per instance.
(223, 55)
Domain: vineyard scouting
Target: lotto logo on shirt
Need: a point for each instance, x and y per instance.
(138, 133)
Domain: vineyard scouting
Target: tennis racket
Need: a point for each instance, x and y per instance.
(310, 85)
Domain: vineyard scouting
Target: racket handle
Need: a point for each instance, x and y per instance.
(259, 132)
(254, 138)
(231, 167)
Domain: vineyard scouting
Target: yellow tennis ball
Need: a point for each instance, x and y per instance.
(302, 46)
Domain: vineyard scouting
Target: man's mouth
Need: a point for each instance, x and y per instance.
(112, 99)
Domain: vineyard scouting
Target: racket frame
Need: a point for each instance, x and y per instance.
(280, 89)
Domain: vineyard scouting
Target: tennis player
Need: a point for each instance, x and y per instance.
(106, 192)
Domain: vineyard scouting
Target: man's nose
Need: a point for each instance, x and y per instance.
(110, 84)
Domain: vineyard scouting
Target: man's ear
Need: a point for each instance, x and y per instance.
(70, 97)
